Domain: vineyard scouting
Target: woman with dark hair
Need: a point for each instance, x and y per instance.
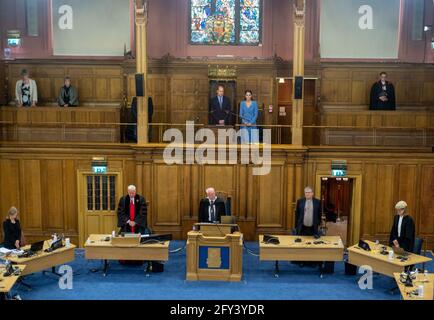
(249, 115)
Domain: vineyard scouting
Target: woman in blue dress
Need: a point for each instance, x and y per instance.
(249, 115)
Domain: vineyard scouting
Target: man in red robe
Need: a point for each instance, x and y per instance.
(132, 213)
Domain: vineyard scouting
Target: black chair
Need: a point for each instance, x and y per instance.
(417, 248)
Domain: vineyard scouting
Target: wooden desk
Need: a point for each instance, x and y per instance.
(214, 258)
(6, 283)
(45, 260)
(427, 282)
(96, 248)
(288, 250)
(381, 263)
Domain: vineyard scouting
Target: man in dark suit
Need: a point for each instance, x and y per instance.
(132, 213)
(211, 208)
(308, 215)
(382, 94)
(220, 109)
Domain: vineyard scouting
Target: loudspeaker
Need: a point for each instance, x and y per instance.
(298, 88)
(139, 85)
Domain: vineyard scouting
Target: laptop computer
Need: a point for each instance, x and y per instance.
(37, 246)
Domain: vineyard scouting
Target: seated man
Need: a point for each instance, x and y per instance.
(382, 94)
(68, 96)
(26, 91)
(132, 213)
(211, 208)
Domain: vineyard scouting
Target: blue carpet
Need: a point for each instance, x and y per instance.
(258, 283)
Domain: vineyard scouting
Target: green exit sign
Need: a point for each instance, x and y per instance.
(99, 169)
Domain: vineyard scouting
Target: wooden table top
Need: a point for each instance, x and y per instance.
(421, 279)
(375, 254)
(98, 241)
(40, 254)
(6, 283)
(307, 242)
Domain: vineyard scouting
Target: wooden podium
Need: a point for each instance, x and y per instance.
(214, 252)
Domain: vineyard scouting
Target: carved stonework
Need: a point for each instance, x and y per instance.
(215, 71)
(141, 12)
(299, 8)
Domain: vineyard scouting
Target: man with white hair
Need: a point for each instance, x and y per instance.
(211, 208)
(308, 214)
(132, 212)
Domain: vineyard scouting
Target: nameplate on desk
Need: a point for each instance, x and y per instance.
(214, 257)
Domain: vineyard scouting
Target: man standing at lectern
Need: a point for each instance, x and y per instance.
(132, 213)
(211, 208)
(220, 110)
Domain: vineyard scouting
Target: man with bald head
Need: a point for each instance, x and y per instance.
(132, 212)
(211, 208)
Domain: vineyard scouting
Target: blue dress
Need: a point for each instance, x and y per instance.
(249, 134)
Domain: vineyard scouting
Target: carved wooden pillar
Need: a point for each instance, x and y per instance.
(141, 15)
(298, 69)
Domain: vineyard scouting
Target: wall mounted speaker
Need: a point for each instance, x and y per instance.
(140, 85)
(298, 88)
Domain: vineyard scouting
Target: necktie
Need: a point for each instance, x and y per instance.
(212, 211)
(221, 102)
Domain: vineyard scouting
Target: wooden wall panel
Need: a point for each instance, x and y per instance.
(350, 84)
(52, 194)
(271, 198)
(426, 221)
(31, 195)
(29, 178)
(384, 200)
(95, 83)
(166, 195)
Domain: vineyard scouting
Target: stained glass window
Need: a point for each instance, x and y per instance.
(225, 22)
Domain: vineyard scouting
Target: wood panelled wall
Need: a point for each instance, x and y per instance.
(376, 128)
(41, 180)
(350, 84)
(180, 87)
(96, 83)
(60, 124)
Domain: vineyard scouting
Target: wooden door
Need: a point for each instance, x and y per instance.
(98, 200)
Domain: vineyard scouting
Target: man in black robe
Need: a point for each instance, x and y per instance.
(132, 213)
(211, 208)
(382, 94)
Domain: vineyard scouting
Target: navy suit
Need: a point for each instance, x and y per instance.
(220, 112)
(299, 216)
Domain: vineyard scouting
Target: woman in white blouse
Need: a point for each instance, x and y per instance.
(26, 91)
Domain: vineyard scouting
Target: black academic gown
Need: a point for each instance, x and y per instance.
(218, 112)
(220, 209)
(377, 92)
(12, 233)
(140, 218)
(406, 240)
